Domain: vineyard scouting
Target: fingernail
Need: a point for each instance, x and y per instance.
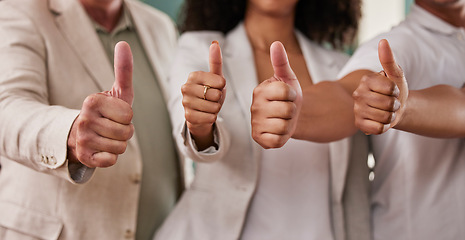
(396, 105)
(386, 127)
(215, 42)
(393, 117)
(396, 91)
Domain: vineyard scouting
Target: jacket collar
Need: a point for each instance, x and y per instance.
(431, 22)
(77, 28)
(239, 63)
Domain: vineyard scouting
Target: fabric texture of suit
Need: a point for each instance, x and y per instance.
(215, 207)
(50, 60)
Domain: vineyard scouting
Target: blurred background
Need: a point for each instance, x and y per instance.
(378, 15)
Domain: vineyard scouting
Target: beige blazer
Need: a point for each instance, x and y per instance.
(50, 60)
(215, 206)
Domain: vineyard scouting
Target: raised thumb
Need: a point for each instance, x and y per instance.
(280, 62)
(122, 88)
(215, 59)
(386, 58)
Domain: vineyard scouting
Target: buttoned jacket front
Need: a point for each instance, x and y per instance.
(51, 59)
(215, 207)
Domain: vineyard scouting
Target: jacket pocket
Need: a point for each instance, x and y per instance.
(28, 222)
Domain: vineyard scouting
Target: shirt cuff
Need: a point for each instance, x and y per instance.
(209, 150)
(79, 172)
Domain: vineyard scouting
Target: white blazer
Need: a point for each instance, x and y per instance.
(51, 59)
(215, 207)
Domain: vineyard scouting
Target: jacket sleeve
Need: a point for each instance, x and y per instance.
(32, 132)
(191, 56)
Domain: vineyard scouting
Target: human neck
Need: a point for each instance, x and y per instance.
(263, 30)
(452, 13)
(105, 12)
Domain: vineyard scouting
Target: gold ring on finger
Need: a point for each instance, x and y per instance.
(205, 89)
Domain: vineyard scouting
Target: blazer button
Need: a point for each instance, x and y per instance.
(129, 234)
(45, 159)
(52, 160)
(136, 178)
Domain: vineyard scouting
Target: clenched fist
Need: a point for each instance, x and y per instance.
(202, 97)
(101, 131)
(276, 102)
(379, 100)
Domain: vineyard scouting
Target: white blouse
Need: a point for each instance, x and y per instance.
(292, 199)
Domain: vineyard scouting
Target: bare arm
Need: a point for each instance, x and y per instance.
(384, 101)
(438, 111)
(327, 109)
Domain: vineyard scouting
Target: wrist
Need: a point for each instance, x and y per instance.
(71, 145)
(203, 137)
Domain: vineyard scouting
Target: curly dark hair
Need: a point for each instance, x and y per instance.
(330, 21)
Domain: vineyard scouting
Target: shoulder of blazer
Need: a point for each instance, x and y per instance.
(152, 17)
(32, 9)
(199, 41)
(325, 55)
(201, 36)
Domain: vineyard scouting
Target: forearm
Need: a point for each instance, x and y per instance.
(206, 140)
(438, 111)
(327, 112)
(35, 135)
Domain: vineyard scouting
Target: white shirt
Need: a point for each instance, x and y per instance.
(419, 186)
(292, 199)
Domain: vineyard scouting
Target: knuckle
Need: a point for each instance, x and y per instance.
(211, 118)
(216, 107)
(121, 148)
(387, 116)
(185, 102)
(194, 75)
(216, 96)
(390, 104)
(128, 115)
(379, 128)
(257, 91)
(83, 122)
(278, 141)
(83, 140)
(356, 94)
(91, 101)
(357, 109)
(222, 82)
(189, 116)
(391, 86)
(125, 133)
(256, 136)
(364, 79)
(185, 89)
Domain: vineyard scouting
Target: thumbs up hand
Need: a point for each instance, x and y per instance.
(203, 96)
(380, 99)
(276, 103)
(101, 131)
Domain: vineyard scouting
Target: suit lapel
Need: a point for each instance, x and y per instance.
(147, 37)
(319, 64)
(76, 27)
(240, 67)
(322, 67)
(73, 22)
